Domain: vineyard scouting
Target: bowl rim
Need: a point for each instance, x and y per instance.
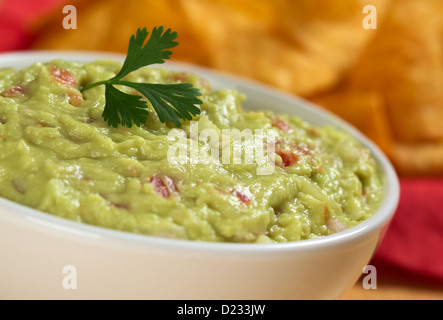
(381, 218)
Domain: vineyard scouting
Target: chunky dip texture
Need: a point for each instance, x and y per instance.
(58, 155)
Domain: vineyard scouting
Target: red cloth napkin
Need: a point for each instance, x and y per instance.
(414, 241)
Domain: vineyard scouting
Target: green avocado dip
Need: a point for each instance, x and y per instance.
(58, 155)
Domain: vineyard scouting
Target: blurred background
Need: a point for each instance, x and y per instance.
(381, 70)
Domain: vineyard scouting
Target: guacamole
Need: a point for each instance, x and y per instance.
(59, 156)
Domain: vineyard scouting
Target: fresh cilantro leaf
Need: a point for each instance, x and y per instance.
(170, 101)
(116, 109)
(154, 51)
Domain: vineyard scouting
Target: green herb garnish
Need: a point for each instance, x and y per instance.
(170, 101)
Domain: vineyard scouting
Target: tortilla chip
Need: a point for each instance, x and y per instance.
(365, 110)
(93, 16)
(299, 46)
(107, 25)
(418, 159)
(405, 64)
(303, 47)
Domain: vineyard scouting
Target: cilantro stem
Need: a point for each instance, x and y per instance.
(91, 85)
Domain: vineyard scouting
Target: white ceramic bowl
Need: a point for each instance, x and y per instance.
(47, 257)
